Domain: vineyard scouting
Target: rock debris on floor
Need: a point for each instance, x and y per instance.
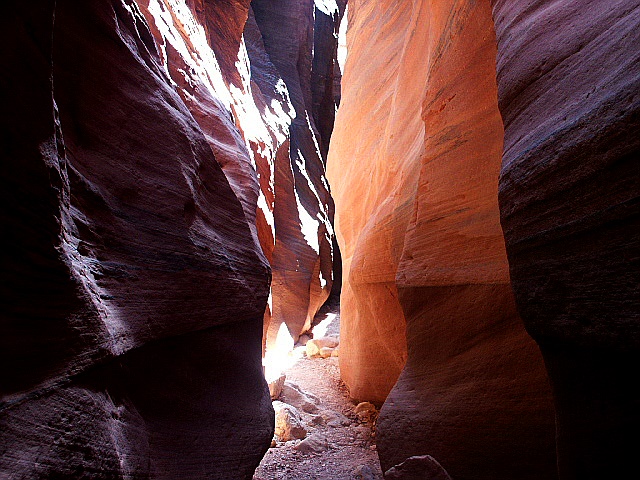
(320, 432)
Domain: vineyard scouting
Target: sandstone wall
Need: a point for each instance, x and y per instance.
(569, 83)
(302, 258)
(134, 282)
(414, 166)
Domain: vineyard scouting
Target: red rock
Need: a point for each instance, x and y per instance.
(568, 83)
(302, 259)
(414, 166)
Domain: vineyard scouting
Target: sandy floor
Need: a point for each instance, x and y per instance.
(351, 448)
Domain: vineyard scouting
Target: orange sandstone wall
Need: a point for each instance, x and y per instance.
(414, 165)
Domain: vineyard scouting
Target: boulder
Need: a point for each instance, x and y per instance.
(335, 419)
(423, 467)
(276, 386)
(365, 411)
(315, 345)
(364, 472)
(289, 425)
(314, 443)
(305, 401)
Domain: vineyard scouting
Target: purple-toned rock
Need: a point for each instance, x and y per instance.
(569, 95)
(423, 467)
(134, 284)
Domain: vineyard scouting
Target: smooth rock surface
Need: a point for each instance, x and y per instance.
(302, 258)
(414, 166)
(135, 285)
(568, 84)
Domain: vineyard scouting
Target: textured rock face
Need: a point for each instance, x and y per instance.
(159, 154)
(568, 78)
(132, 319)
(414, 166)
(302, 258)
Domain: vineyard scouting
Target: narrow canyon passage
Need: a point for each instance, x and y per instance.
(188, 186)
(327, 435)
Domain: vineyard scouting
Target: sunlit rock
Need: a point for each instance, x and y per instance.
(414, 165)
(365, 411)
(305, 401)
(315, 346)
(302, 258)
(289, 425)
(314, 443)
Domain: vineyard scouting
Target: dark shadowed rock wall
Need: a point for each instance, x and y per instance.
(158, 156)
(134, 284)
(569, 93)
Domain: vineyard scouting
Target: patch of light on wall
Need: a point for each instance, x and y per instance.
(328, 7)
(320, 330)
(342, 40)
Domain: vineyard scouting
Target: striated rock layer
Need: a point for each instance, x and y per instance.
(134, 284)
(569, 91)
(302, 257)
(414, 166)
(159, 155)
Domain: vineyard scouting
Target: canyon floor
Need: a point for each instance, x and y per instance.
(346, 448)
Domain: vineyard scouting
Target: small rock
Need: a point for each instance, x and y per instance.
(315, 443)
(304, 338)
(317, 420)
(297, 397)
(275, 386)
(335, 419)
(363, 432)
(364, 472)
(365, 411)
(415, 468)
(316, 344)
(326, 352)
(288, 422)
(335, 352)
(273, 442)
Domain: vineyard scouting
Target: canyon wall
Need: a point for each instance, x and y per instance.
(144, 147)
(569, 92)
(302, 258)
(414, 166)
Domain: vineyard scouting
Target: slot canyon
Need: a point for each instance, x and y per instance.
(320, 239)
